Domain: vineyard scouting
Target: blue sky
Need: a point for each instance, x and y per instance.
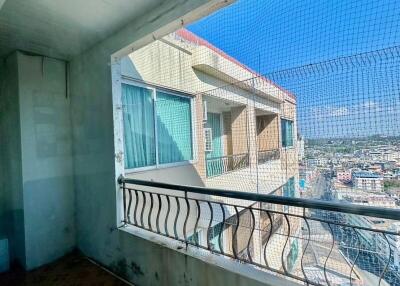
(340, 100)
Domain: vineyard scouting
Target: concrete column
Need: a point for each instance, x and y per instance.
(239, 130)
(201, 164)
(252, 138)
(227, 133)
(244, 134)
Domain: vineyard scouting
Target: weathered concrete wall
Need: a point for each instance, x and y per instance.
(3, 197)
(11, 189)
(36, 160)
(169, 267)
(46, 159)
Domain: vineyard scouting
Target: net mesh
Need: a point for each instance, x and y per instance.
(291, 98)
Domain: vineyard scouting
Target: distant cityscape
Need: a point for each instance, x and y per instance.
(363, 171)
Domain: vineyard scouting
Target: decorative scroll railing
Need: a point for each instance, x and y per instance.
(308, 241)
(268, 155)
(220, 165)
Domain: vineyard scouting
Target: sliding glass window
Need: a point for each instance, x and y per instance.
(174, 128)
(157, 127)
(287, 132)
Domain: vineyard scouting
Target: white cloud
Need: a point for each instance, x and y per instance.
(330, 111)
(340, 111)
(369, 104)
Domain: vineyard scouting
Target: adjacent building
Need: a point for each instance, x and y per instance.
(367, 181)
(194, 115)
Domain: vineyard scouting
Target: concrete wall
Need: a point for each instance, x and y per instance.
(170, 267)
(3, 203)
(46, 159)
(289, 109)
(11, 189)
(227, 133)
(239, 129)
(36, 160)
(3, 198)
(268, 135)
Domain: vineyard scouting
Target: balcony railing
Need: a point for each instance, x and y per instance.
(220, 165)
(268, 155)
(309, 241)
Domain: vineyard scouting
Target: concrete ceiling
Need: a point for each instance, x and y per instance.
(215, 104)
(64, 28)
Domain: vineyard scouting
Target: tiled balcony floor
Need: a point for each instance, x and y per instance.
(71, 270)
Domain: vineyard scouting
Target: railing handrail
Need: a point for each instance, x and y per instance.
(226, 156)
(268, 155)
(270, 150)
(378, 212)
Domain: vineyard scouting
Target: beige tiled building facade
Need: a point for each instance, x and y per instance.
(242, 133)
(249, 107)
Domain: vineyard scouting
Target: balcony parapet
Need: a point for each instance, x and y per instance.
(265, 156)
(221, 165)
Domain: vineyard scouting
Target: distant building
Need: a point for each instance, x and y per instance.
(317, 162)
(312, 163)
(367, 181)
(391, 156)
(300, 147)
(362, 198)
(377, 168)
(344, 176)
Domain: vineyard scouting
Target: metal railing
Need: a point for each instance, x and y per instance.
(220, 165)
(268, 155)
(309, 241)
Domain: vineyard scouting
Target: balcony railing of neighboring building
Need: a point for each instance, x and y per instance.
(220, 165)
(309, 241)
(268, 155)
(269, 228)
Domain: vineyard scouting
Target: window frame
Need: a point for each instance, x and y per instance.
(293, 131)
(154, 90)
(208, 130)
